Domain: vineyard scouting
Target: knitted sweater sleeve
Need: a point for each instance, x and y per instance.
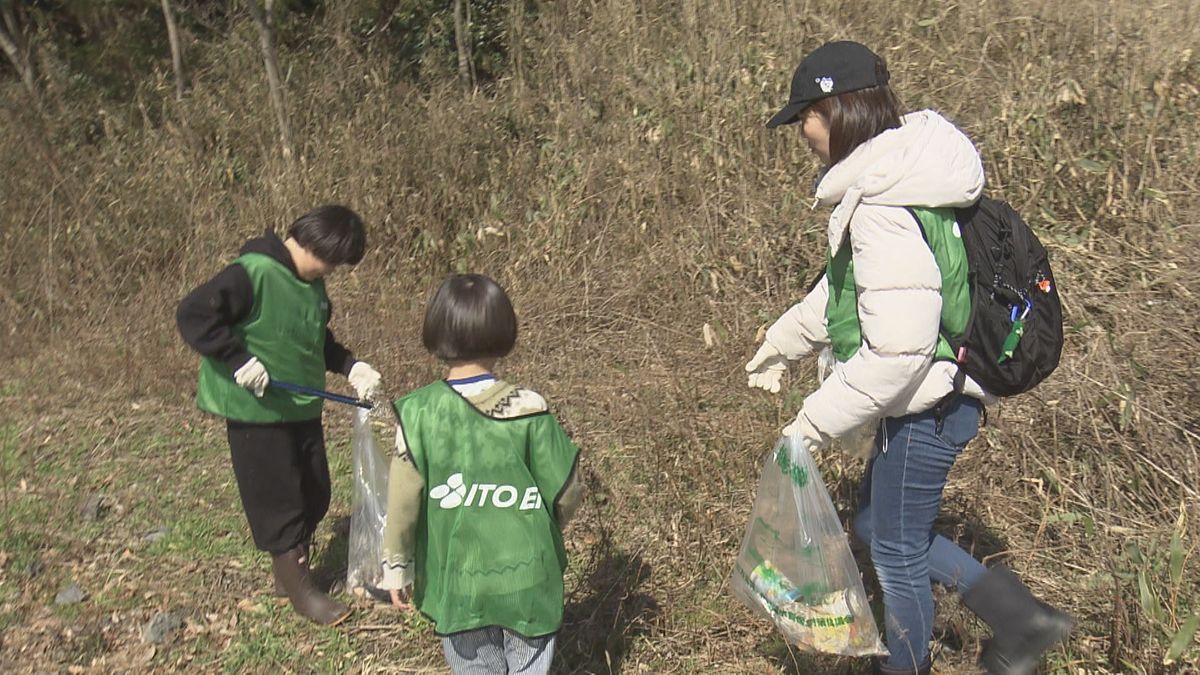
(405, 488)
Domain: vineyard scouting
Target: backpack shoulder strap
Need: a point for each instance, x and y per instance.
(956, 344)
(920, 225)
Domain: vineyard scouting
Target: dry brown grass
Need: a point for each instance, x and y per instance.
(622, 187)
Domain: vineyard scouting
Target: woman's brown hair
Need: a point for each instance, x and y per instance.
(856, 117)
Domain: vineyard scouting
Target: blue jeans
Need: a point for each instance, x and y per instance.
(898, 502)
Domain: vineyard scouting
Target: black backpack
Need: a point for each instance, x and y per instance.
(1014, 335)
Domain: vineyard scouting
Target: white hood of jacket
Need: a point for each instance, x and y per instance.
(926, 162)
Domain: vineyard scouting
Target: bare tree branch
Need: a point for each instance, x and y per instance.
(176, 52)
(17, 53)
(278, 100)
(516, 41)
(470, 50)
(462, 37)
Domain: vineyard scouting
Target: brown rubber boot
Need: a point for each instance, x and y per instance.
(306, 599)
(306, 554)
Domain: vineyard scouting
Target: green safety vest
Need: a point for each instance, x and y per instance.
(940, 230)
(489, 551)
(285, 330)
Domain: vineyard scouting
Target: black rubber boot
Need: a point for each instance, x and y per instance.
(881, 668)
(307, 599)
(1023, 627)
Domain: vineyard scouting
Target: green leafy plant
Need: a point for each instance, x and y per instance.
(1166, 598)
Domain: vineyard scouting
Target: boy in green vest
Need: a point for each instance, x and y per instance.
(481, 485)
(265, 317)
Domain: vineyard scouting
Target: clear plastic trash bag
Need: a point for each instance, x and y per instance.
(795, 567)
(368, 510)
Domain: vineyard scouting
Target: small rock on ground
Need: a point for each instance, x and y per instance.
(90, 509)
(160, 626)
(69, 595)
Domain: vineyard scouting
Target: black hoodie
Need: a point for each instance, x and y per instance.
(207, 315)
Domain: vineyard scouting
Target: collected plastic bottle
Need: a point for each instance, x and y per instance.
(772, 584)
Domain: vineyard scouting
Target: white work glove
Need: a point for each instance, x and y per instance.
(800, 452)
(365, 380)
(766, 368)
(253, 376)
(803, 430)
(802, 442)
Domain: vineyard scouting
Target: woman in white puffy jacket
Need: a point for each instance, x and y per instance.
(879, 309)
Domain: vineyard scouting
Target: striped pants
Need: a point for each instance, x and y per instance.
(497, 650)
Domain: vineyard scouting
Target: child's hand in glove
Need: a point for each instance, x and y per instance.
(253, 376)
(365, 380)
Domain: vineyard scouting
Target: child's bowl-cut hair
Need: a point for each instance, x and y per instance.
(333, 233)
(468, 318)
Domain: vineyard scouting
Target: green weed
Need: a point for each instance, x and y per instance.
(1157, 572)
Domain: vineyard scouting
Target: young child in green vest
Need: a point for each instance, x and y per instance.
(264, 318)
(481, 484)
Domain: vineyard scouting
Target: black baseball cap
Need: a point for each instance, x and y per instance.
(831, 69)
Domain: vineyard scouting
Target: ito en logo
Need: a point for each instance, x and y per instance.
(455, 493)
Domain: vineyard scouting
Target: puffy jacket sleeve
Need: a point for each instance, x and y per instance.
(801, 329)
(899, 309)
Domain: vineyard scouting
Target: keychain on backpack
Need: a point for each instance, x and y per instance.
(1014, 335)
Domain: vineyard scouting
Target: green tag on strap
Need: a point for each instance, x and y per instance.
(1010, 342)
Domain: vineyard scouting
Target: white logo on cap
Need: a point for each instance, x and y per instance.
(826, 84)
